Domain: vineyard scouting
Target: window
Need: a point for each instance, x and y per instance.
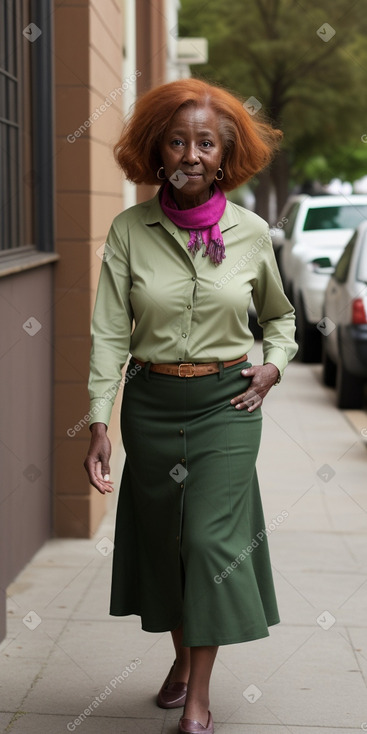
(347, 216)
(342, 268)
(26, 216)
(15, 194)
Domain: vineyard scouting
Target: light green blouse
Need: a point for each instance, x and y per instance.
(184, 308)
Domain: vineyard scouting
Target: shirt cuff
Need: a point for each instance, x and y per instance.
(278, 357)
(100, 411)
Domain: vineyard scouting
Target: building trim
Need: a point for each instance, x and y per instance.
(43, 125)
(24, 258)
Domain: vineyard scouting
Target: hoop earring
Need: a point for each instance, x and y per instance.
(219, 178)
(161, 178)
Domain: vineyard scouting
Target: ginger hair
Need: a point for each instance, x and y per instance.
(249, 141)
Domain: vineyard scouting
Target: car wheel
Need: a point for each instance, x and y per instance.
(349, 389)
(328, 366)
(308, 337)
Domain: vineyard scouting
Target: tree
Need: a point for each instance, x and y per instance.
(306, 64)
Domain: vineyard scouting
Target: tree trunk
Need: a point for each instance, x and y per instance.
(262, 194)
(279, 173)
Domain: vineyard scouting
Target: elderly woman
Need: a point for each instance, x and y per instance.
(181, 269)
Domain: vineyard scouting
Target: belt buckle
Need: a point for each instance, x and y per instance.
(186, 374)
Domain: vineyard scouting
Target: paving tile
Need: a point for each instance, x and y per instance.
(4, 720)
(94, 724)
(304, 596)
(94, 603)
(30, 644)
(228, 728)
(317, 552)
(16, 681)
(51, 592)
(90, 657)
(64, 552)
(306, 676)
(358, 639)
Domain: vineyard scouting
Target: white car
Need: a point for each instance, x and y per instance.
(344, 324)
(311, 242)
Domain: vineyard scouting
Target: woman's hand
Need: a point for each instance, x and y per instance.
(97, 463)
(264, 376)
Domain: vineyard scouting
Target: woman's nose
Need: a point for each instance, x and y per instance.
(191, 154)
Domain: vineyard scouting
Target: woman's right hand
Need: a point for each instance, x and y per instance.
(97, 463)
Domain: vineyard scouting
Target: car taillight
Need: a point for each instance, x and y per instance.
(358, 312)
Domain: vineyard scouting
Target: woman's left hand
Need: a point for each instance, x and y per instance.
(264, 376)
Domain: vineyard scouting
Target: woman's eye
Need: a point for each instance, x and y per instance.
(177, 142)
(206, 143)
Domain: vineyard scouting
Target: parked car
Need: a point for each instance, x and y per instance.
(313, 238)
(344, 324)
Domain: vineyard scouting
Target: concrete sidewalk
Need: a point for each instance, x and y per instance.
(64, 654)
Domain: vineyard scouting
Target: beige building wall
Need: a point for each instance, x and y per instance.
(88, 71)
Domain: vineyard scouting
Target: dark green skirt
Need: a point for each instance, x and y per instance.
(190, 546)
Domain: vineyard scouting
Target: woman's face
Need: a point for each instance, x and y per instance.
(192, 144)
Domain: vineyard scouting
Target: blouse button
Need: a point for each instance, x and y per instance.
(189, 307)
(193, 277)
(184, 335)
(181, 431)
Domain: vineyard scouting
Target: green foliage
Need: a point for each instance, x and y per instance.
(312, 89)
(347, 162)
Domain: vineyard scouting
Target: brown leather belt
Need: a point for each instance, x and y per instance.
(189, 369)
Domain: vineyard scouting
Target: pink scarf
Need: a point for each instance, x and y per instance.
(201, 221)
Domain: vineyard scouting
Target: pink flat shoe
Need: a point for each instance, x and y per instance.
(187, 726)
(172, 695)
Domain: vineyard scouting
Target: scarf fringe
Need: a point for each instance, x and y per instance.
(216, 251)
(194, 243)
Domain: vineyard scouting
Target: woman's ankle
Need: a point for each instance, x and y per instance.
(181, 671)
